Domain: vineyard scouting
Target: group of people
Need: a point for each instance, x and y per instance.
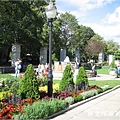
(42, 69)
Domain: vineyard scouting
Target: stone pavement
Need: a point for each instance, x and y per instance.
(58, 76)
(104, 77)
(103, 107)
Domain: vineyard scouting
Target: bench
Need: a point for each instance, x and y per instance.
(90, 73)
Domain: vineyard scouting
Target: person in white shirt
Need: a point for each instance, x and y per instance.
(77, 65)
(94, 70)
(17, 71)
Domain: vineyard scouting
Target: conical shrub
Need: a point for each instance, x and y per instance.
(81, 77)
(67, 78)
(29, 87)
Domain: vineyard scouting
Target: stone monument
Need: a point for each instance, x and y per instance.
(16, 53)
(62, 54)
(43, 55)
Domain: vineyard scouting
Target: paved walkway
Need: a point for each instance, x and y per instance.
(104, 77)
(106, 107)
(58, 76)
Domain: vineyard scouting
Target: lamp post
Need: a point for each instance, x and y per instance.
(50, 13)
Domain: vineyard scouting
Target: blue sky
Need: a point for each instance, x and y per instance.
(103, 16)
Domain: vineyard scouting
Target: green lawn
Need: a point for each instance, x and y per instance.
(6, 76)
(112, 83)
(103, 71)
(100, 83)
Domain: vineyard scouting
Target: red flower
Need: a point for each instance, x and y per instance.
(9, 116)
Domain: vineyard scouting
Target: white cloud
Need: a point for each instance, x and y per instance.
(107, 32)
(109, 29)
(114, 17)
(85, 5)
(81, 6)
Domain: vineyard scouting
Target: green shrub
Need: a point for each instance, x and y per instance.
(67, 78)
(14, 87)
(82, 76)
(112, 65)
(99, 91)
(78, 98)
(6, 84)
(105, 63)
(89, 94)
(41, 110)
(69, 100)
(117, 55)
(106, 87)
(29, 87)
(54, 58)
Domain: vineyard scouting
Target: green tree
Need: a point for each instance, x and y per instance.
(21, 22)
(80, 38)
(68, 26)
(29, 87)
(81, 78)
(67, 78)
(94, 46)
(112, 47)
(117, 55)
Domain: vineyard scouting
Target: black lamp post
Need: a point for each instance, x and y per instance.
(50, 13)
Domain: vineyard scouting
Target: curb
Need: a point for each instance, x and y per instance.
(82, 102)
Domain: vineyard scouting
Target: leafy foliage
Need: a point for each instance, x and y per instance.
(82, 76)
(21, 22)
(117, 55)
(95, 46)
(78, 98)
(70, 100)
(112, 65)
(29, 87)
(42, 109)
(67, 78)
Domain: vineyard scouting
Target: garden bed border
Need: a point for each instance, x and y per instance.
(82, 102)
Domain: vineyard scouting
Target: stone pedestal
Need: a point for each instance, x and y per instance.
(16, 53)
(62, 54)
(111, 57)
(43, 55)
(78, 54)
(101, 57)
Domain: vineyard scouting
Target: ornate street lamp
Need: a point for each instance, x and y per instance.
(50, 13)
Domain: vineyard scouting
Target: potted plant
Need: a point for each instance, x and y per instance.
(112, 70)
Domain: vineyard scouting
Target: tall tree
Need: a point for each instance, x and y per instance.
(21, 22)
(95, 46)
(68, 26)
(112, 47)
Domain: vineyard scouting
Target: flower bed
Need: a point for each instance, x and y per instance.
(24, 109)
(28, 97)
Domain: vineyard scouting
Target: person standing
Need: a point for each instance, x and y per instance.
(77, 65)
(118, 70)
(17, 69)
(94, 70)
(39, 70)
